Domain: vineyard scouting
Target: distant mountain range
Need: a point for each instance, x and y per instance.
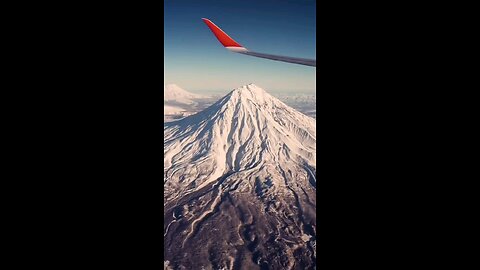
(173, 92)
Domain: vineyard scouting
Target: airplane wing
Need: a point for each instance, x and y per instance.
(233, 46)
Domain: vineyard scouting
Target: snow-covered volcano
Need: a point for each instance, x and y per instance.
(237, 174)
(245, 130)
(173, 92)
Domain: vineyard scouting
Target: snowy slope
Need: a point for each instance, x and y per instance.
(249, 157)
(247, 128)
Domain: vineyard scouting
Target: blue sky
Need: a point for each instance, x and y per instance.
(196, 61)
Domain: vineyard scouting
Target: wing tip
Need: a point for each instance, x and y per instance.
(223, 37)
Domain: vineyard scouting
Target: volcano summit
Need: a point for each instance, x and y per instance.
(239, 185)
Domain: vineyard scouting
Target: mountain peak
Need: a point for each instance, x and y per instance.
(249, 88)
(250, 93)
(173, 92)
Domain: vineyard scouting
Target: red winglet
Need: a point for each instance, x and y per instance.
(221, 36)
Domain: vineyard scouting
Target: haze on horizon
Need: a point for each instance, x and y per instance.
(195, 60)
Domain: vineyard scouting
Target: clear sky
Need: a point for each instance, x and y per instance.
(196, 61)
